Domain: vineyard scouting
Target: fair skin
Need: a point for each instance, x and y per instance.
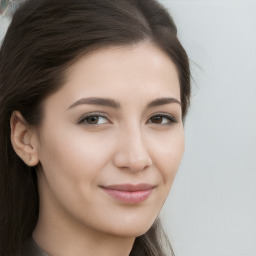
(134, 137)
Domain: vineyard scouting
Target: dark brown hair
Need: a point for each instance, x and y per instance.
(43, 39)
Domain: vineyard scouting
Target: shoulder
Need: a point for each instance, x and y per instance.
(32, 249)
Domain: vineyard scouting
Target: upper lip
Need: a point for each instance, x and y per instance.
(130, 187)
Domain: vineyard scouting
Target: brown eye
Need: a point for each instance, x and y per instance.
(162, 119)
(157, 119)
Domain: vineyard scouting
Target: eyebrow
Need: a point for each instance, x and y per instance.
(162, 101)
(116, 105)
(97, 101)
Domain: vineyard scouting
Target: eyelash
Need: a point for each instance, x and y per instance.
(170, 118)
(83, 119)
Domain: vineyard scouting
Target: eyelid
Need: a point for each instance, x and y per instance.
(99, 114)
(172, 118)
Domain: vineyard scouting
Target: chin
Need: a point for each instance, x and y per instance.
(132, 228)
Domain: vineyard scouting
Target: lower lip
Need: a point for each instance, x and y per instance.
(131, 197)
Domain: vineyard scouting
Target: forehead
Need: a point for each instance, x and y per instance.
(141, 72)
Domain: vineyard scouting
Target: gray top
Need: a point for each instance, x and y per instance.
(33, 249)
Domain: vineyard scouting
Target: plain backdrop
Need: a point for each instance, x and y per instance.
(211, 210)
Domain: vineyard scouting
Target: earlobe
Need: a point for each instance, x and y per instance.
(22, 139)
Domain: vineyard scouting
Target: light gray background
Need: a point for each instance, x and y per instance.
(211, 210)
(3, 26)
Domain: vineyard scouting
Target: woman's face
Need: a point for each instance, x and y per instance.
(111, 141)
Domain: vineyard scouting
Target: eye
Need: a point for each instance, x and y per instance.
(162, 119)
(93, 119)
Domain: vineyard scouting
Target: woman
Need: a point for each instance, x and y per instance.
(93, 99)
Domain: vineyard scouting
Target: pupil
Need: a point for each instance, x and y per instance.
(157, 119)
(93, 119)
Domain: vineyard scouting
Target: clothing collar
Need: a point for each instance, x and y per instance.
(33, 249)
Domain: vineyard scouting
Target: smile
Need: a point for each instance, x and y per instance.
(128, 193)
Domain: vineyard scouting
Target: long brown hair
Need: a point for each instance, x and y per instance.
(44, 38)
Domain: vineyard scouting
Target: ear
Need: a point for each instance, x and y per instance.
(23, 139)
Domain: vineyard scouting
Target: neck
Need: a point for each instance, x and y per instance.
(58, 239)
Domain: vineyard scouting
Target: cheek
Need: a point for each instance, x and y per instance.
(168, 152)
(70, 157)
(71, 164)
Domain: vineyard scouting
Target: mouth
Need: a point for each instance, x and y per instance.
(129, 193)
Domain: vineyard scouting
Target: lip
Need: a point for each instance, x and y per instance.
(129, 193)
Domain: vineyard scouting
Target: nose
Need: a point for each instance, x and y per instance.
(131, 153)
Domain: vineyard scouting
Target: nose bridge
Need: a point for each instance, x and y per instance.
(132, 151)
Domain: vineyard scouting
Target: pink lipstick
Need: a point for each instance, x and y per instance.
(129, 193)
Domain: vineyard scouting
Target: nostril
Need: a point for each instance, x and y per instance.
(131, 152)
(131, 162)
